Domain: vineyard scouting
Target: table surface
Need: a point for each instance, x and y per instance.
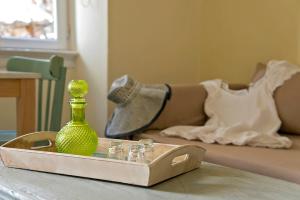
(208, 182)
(17, 75)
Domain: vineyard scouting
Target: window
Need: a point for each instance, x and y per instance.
(36, 24)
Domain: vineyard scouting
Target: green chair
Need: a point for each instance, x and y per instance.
(51, 70)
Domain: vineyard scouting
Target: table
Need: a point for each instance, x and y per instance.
(22, 86)
(211, 181)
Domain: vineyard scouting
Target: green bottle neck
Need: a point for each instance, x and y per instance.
(78, 111)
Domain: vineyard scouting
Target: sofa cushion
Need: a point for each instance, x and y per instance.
(278, 163)
(185, 107)
(287, 98)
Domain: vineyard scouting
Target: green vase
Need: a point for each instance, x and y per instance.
(77, 137)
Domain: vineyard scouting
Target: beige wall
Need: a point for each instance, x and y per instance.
(8, 114)
(154, 41)
(236, 34)
(188, 41)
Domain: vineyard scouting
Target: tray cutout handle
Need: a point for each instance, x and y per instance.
(180, 159)
(40, 144)
(180, 156)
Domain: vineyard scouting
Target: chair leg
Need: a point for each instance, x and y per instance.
(26, 107)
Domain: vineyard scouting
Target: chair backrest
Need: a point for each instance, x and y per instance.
(51, 70)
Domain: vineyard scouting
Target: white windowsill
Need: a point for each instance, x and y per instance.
(68, 55)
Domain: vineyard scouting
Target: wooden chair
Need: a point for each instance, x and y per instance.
(51, 70)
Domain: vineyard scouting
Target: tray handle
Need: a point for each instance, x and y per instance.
(40, 144)
(184, 156)
(178, 160)
(44, 141)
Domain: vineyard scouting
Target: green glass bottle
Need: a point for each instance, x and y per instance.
(77, 137)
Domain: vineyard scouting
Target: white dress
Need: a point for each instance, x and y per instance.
(242, 117)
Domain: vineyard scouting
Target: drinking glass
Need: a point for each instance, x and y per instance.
(134, 152)
(115, 150)
(146, 150)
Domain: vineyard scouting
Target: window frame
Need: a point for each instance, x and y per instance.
(62, 41)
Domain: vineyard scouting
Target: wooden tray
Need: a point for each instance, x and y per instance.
(168, 161)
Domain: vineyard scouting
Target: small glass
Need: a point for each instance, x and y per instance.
(115, 150)
(146, 150)
(134, 152)
(147, 142)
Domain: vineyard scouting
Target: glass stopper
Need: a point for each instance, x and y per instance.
(78, 88)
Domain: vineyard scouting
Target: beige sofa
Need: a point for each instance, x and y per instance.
(186, 107)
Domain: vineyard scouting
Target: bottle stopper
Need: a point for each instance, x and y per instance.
(78, 88)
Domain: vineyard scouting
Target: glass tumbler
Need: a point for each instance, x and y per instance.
(146, 150)
(134, 152)
(115, 150)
